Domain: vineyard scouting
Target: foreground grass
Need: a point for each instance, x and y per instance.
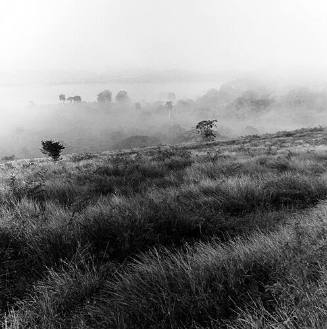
(166, 238)
(267, 280)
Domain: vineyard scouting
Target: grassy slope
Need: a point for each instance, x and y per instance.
(223, 234)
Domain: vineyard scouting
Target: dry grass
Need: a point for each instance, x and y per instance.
(222, 234)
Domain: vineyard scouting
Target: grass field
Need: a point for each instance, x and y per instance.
(227, 234)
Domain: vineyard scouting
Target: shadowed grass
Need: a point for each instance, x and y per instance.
(267, 278)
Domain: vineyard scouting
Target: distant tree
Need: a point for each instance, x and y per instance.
(138, 106)
(169, 107)
(205, 129)
(77, 99)
(104, 97)
(52, 149)
(252, 102)
(62, 98)
(122, 96)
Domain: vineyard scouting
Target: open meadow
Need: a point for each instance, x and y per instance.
(163, 164)
(224, 234)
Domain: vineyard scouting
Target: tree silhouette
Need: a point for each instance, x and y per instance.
(205, 129)
(52, 149)
(122, 96)
(104, 97)
(62, 98)
(77, 99)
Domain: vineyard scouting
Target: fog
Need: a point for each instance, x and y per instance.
(200, 35)
(244, 106)
(256, 66)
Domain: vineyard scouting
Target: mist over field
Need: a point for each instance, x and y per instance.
(163, 164)
(255, 67)
(243, 106)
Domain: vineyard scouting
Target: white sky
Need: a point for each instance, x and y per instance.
(163, 34)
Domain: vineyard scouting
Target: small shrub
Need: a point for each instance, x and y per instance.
(205, 129)
(52, 149)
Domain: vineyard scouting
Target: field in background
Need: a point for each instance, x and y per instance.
(228, 234)
(241, 107)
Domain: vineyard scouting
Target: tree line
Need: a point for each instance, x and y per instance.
(103, 97)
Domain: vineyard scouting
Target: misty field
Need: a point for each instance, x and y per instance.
(241, 107)
(224, 234)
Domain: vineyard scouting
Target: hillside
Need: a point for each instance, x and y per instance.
(225, 234)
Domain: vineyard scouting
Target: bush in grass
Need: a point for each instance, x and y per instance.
(205, 129)
(52, 149)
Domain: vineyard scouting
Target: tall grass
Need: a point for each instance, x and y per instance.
(164, 238)
(263, 281)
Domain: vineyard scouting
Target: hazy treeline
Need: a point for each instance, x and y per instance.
(242, 107)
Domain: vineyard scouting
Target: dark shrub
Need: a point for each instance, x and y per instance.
(52, 149)
(205, 129)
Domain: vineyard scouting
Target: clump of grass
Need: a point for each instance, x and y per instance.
(59, 300)
(264, 280)
(208, 284)
(239, 195)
